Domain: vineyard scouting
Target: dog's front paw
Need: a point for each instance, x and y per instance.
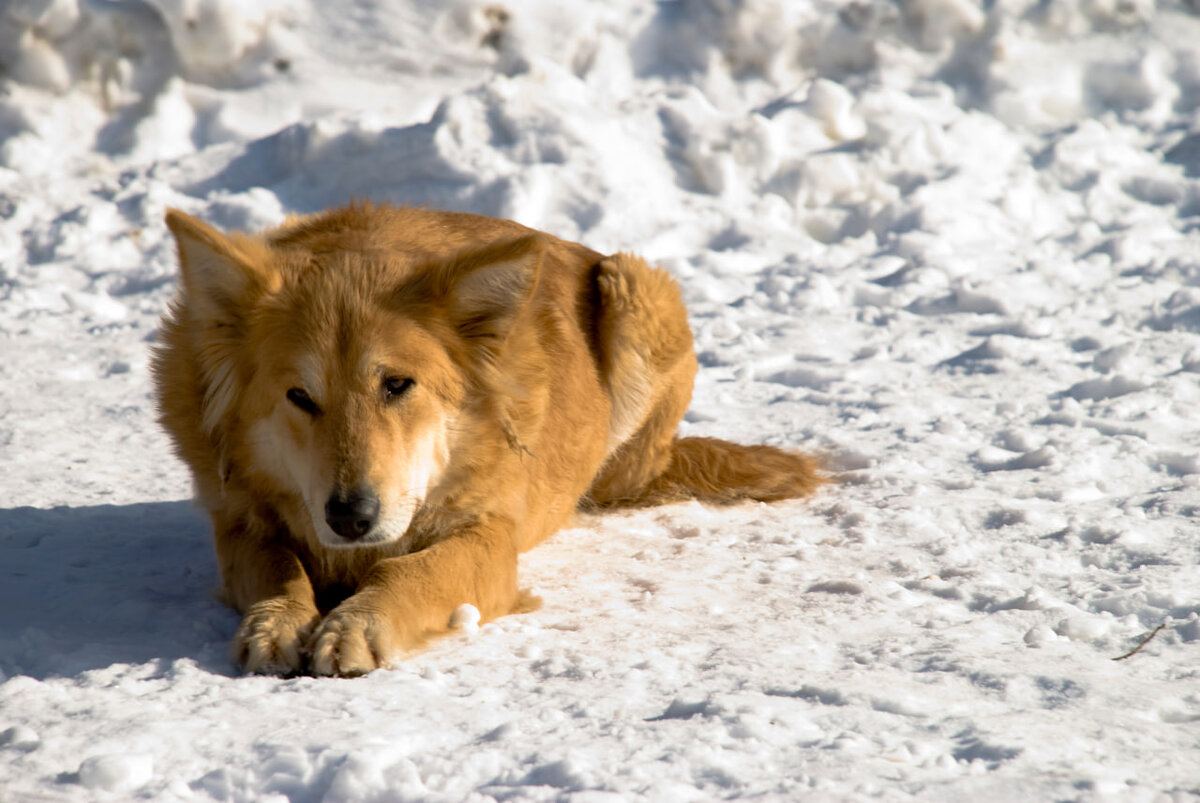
(351, 641)
(272, 636)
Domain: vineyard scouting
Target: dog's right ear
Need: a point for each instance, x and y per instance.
(220, 272)
(482, 291)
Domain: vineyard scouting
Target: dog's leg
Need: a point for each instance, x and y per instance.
(649, 366)
(404, 600)
(268, 585)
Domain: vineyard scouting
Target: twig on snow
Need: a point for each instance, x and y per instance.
(1143, 643)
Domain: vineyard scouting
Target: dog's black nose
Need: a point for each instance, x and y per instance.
(352, 514)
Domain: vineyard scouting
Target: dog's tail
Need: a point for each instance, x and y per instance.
(720, 472)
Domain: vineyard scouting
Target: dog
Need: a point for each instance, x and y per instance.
(383, 406)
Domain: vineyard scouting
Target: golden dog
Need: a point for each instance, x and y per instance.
(382, 407)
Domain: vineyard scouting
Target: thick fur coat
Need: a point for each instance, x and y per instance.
(382, 407)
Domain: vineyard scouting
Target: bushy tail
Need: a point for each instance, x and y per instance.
(720, 472)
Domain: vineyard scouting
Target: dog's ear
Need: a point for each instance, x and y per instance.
(220, 272)
(485, 290)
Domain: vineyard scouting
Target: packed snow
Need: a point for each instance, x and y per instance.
(953, 246)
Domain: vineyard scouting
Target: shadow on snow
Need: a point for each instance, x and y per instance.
(86, 587)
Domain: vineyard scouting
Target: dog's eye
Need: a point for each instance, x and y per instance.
(396, 386)
(300, 398)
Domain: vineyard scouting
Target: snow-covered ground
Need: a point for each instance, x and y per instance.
(955, 247)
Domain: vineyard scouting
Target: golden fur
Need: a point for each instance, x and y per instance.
(382, 407)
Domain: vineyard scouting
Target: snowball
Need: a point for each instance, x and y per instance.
(465, 618)
(1039, 635)
(1020, 440)
(20, 737)
(1083, 628)
(1035, 599)
(95, 306)
(116, 772)
(832, 104)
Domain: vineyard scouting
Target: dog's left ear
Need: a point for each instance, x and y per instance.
(486, 290)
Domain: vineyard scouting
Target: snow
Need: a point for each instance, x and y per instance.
(466, 617)
(952, 246)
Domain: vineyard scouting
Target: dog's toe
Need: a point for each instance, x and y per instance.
(348, 644)
(272, 635)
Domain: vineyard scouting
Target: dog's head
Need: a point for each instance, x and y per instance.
(336, 372)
